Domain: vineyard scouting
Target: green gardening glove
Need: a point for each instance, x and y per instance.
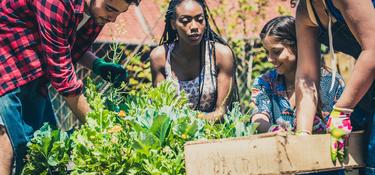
(111, 72)
(339, 127)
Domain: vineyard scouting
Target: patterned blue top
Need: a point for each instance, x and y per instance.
(269, 90)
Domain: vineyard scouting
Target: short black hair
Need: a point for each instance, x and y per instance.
(136, 2)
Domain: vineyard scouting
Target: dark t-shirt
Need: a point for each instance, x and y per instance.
(335, 12)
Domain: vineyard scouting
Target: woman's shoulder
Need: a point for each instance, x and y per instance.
(222, 50)
(158, 58)
(224, 56)
(157, 55)
(158, 52)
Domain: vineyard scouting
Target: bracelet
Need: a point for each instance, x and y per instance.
(342, 109)
(303, 132)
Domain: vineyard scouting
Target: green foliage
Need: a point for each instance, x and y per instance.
(149, 135)
(139, 74)
(99, 146)
(234, 124)
(48, 152)
(146, 137)
(260, 63)
(95, 99)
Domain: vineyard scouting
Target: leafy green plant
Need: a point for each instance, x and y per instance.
(139, 74)
(234, 124)
(154, 98)
(100, 146)
(48, 152)
(147, 136)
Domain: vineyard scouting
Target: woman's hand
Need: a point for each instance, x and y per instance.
(212, 116)
(263, 121)
(276, 128)
(339, 127)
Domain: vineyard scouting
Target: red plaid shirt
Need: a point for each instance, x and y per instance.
(39, 38)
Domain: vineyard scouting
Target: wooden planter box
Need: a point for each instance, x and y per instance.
(269, 154)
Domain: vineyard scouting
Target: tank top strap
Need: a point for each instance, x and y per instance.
(336, 12)
(168, 68)
(210, 73)
(209, 60)
(333, 11)
(311, 12)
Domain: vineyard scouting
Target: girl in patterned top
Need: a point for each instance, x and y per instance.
(273, 94)
(195, 59)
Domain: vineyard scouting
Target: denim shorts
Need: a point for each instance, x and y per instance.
(22, 112)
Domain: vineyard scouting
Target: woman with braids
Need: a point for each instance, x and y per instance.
(347, 26)
(273, 92)
(195, 58)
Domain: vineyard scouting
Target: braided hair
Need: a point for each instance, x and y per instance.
(209, 37)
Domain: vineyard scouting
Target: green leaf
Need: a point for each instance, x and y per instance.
(144, 141)
(47, 152)
(160, 127)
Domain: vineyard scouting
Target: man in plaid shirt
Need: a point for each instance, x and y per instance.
(40, 40)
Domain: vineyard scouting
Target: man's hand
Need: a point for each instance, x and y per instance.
(111, 72)
(339, 127)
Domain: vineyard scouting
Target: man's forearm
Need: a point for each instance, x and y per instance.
(79, 106)
(87, 59)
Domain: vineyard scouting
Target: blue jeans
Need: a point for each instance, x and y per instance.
(370, 156)
(23, 111)
(336, 172)
(364, 121)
